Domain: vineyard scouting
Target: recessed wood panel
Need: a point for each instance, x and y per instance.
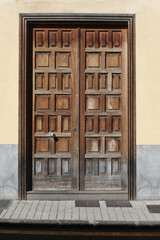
(62, 145)
(42, 59)
(113, 60)
(63, 59)
(89, 166)
(66, 124)
(52, 166)
(115, 167)
(38, 166)
(103, 81)
(103, 124)
(102, 166)
(92, 145)
(116, 39)
(62, 102)
(42, 102)
(90, 39)
(65, 166)
(90, 81)
(103, 39)
(52, 123)
(93, 60)
(53, 81)
(89, 124)
(52, 39)
(66, 39)
(116, 123)
(92, 102)
(39, 81)
(112, 103)
(116, 81)
(41, 145)
(66, 81)
(112, 145)
(39, 35)
(39, 123)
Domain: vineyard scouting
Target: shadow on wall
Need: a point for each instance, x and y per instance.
(148, 172)
(8, 171)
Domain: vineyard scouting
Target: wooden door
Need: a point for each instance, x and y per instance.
(55, 109)
(101, 109)
(104, 110)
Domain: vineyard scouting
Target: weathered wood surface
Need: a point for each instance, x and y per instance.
(103, 116)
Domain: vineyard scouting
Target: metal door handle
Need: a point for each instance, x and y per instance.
(54, 137)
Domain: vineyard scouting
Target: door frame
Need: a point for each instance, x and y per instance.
(26, 23)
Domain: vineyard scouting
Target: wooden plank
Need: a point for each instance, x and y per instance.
(82, 110)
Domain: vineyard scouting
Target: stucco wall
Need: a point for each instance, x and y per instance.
(147, 63)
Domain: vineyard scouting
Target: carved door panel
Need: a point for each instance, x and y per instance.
(55, 109)
(104, 110)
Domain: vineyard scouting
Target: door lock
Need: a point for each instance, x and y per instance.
(54, 137)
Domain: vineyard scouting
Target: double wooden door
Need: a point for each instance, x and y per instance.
(80, 109)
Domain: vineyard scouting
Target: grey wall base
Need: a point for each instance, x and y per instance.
(148, 171)
(8, 171)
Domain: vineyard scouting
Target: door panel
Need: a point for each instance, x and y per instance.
(55, 109)
(104, 110)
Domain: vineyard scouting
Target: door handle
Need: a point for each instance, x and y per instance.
(54, 137)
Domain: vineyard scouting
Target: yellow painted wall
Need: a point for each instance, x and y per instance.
(147, 58)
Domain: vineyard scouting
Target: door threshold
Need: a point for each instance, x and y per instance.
(76, 195)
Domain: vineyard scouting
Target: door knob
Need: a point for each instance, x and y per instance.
(54, 137)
